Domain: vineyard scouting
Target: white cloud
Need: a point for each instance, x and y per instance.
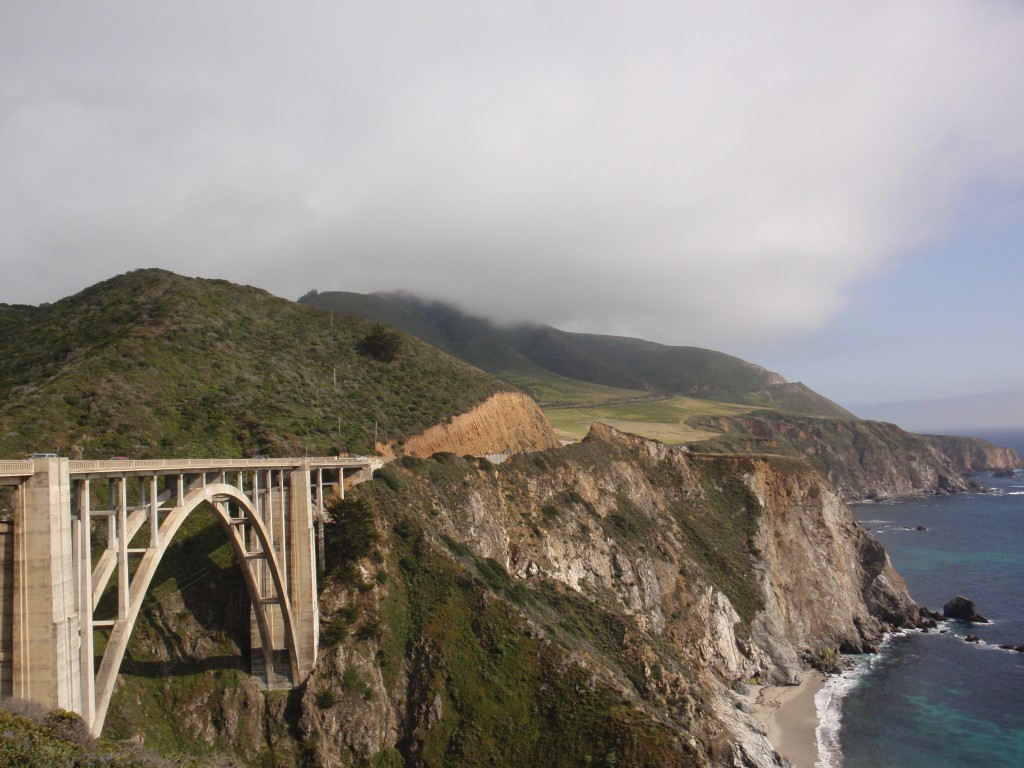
(691, 172)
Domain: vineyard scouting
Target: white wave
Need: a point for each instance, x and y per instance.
(828, 703)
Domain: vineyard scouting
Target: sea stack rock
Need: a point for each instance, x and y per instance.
(962, 609)
(927, 613)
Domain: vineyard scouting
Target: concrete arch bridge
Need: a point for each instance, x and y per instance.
(80, 529)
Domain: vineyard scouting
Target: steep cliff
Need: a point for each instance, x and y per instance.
(862, 459)
(592, 604)
(506, 421)
(588, 605)
(972, 454)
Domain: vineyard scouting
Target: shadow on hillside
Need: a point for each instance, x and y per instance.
(195, 616)
(176, 668)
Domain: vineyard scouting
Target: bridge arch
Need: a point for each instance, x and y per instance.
(221, 496)
(56, 579)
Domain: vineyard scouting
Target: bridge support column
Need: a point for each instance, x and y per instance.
(46, 664)
(302, 570)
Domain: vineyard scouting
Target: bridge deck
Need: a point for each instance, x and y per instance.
(210, 465)
(22, 469)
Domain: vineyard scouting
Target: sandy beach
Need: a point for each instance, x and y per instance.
(789, 716)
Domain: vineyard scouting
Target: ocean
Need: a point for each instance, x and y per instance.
(931, 699)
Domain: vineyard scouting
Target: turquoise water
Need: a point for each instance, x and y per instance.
(933, 700)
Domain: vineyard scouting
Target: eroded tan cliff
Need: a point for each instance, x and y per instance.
(506, 421)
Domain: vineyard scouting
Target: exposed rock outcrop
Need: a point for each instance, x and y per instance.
(962, 609)
(661, 577)
(972, 454)
(827, 583)
(862, 459)
(506, 421)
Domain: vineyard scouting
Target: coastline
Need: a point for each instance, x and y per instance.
(790, 717)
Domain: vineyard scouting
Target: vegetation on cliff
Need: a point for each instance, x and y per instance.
(862, 459)
(150, 364)
(580, 606)
(31, 737)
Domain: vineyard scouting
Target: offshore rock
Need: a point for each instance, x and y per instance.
(927, 613)
(962, 609)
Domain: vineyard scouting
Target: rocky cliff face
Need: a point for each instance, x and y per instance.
(588, 605)
(506, 421)
(650, 578)
(972, 454)
(862, 459)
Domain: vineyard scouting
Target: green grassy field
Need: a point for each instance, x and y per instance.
(558, 390)
(662, 419)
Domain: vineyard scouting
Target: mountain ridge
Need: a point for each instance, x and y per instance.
(152, 364)
(522, 353)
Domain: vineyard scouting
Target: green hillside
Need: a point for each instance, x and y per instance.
(561, 368)
(151, 364)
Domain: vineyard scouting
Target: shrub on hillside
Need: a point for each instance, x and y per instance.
(381, 343)
(352, 534)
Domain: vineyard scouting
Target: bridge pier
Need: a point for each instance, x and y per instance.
(45, 660)
(285, 506)
(302, 586)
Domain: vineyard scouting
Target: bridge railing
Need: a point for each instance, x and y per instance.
(128, 465)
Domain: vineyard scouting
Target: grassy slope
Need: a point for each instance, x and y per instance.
(576, 368)
(625, 362)
(475, 340)
(663, 419)
(151, 364)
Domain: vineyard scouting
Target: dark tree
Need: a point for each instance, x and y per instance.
(351, 535)
(381, 343)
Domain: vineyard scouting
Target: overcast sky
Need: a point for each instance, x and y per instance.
(833, 190)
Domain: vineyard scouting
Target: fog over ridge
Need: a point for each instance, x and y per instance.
(709, 175)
